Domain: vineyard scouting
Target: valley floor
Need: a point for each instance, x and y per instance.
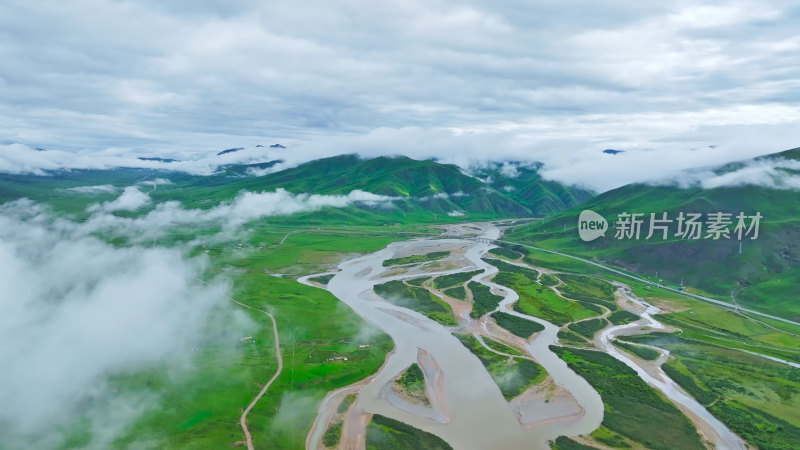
(511, 387)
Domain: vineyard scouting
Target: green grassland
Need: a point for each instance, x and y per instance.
(565, 443)
(501, 347)
(543, 197)
(588, 290)
(386, 433)
(548, 280)
(517, 325)
(632, 408)
(504, 252)
(537, 300)
(755, 397)
(706, 323)
(458, 292)
(455, 279)
(417, 298)
(621, 317)
(413, 383)
(588, 328)
(201, 410)
(333, 434)
(512, 375)
(765, 276)
(433, 256)
(324, 279)
(483, 301)
(417, 281)
(571, 338)
(645, 353)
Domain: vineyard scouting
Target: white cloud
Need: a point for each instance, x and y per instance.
(17, 158)
(97, 189)
(156, 182)
(131, 199)
(509, 170)
(770, 173)
(74, 310)
(229, 215)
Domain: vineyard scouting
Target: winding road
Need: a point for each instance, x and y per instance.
(243, 419)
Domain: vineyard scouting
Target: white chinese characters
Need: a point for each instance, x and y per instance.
(689, 226)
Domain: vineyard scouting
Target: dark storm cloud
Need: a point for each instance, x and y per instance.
(552, 81)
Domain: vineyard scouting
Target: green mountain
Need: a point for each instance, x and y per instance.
(523, 183)
(425, 190)
(764, 276)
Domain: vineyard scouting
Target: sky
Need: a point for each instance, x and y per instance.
(674, 84)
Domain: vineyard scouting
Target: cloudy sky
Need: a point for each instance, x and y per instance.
(675, 84)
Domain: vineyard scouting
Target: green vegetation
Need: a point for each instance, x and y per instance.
(764, 276)
(446, 281)
(333, 434)
(483, 300)
(633, 409)
(645, 353)
(201, 408)
(755, 397)
(418, 299)
(681, 375)
(537, 300)
(413, 383)
(512, 375)
(506, 253)
(458, 292)
(432, 256)
(506, 269)
(542, 197)
(548, 280)
(566, 337)
(324, 279)
(588, 289)
(587, 328)
(384, 433)
(523, 328)
(714, 325)
(205, 404)
(417, 281)
(344, 405)
(501, 347)
(622, 317)
(565, 443)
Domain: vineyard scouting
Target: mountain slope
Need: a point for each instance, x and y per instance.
(523, 183)
(423, 190)
(765, 276)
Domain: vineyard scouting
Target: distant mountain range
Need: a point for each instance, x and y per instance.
(424, 186)
(765, 276)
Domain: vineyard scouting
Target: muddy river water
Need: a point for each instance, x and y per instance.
(479, 416)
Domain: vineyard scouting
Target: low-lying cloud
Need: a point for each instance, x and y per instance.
(96, 189)
(130, 200)
(73, 310)
(22, 159)
(769, 173)
(228, 215)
